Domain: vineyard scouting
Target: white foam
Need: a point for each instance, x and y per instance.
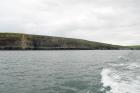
(116, 80)
(133, 66)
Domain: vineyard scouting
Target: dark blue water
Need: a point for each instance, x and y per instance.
(70, 71)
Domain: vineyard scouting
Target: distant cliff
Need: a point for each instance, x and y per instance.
(16, 41)
(136, 47)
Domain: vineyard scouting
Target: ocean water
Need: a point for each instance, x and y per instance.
(85, 71)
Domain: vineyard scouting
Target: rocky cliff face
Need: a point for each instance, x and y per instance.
(25, 41)
(9, 41)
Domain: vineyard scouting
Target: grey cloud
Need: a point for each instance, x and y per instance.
(109, 21)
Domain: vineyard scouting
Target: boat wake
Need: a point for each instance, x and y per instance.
(121, 78)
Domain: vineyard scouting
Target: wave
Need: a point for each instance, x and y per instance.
(121, 78)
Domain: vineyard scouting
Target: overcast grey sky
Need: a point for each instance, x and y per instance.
(109, 21)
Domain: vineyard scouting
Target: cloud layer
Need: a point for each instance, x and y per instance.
(109, 21)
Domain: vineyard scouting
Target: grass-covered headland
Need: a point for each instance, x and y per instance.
(16, 41)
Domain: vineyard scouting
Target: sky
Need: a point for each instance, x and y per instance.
(107, 21)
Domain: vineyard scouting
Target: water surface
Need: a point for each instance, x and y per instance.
(87, 71)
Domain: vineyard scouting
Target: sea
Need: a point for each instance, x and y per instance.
(70, 71)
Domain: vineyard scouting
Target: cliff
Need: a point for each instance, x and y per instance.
(16, 41)
(136, 47)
